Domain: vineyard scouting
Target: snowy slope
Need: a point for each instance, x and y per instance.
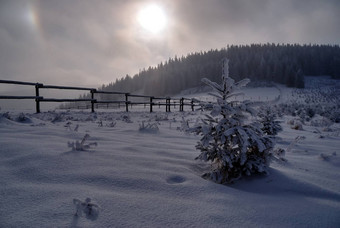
(150, 178)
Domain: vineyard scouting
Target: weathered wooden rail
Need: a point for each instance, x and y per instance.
(38, 99)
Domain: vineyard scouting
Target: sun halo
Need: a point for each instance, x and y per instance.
(152, 18)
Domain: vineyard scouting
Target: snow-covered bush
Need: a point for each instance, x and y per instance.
(161, 117)
(22, 118)
(334, 114)
(319, 121)
(310, 112)
(295, 124)
(125, 118)
(306, 112)
(235, 147)
(5, 116)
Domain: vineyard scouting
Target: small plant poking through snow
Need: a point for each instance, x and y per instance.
(76, 128)
(112, 124)
(327, 157)
(5, 115)
(279, 154)
(294, 142)
(149, 127)
(126, 118)
(68, 126)
(234, 147)
(23, 118)
(91, 210)
(184, 125)
(81, 146)
(58, 118)
(161, 117)
(100, 123)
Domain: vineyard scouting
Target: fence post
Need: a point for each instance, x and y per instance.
(37, 101)
(127, 102)
(151, 98)
(181, 104)
(167, 104)
(92, 97)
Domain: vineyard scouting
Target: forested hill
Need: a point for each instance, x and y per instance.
(285, 64)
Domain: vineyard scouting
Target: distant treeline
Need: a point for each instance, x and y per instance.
(281, 63)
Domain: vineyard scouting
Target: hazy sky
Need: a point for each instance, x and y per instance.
(93, 42)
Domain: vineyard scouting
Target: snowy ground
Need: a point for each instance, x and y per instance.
(150, 178)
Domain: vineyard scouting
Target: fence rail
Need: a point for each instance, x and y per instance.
(93, 91)
(17, 82)
(20, 97)
(64, 87)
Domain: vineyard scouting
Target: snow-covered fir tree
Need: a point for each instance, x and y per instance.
(234, 146)
(268, 119)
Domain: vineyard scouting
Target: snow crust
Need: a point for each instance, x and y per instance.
(150, 178)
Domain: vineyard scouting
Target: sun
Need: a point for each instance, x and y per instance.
(152, 18)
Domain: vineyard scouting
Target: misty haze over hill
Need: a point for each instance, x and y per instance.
(280, 63)
(285, 64)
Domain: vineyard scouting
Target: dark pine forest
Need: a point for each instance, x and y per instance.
(280, 63)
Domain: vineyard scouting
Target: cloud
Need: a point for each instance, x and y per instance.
(89, 43)
(222, 22)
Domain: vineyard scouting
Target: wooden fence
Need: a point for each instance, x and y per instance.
(164, 101)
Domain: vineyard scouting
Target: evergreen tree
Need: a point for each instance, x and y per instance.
(270, 126)
(234, 147)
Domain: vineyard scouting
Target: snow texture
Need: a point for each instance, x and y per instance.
(153, 180)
